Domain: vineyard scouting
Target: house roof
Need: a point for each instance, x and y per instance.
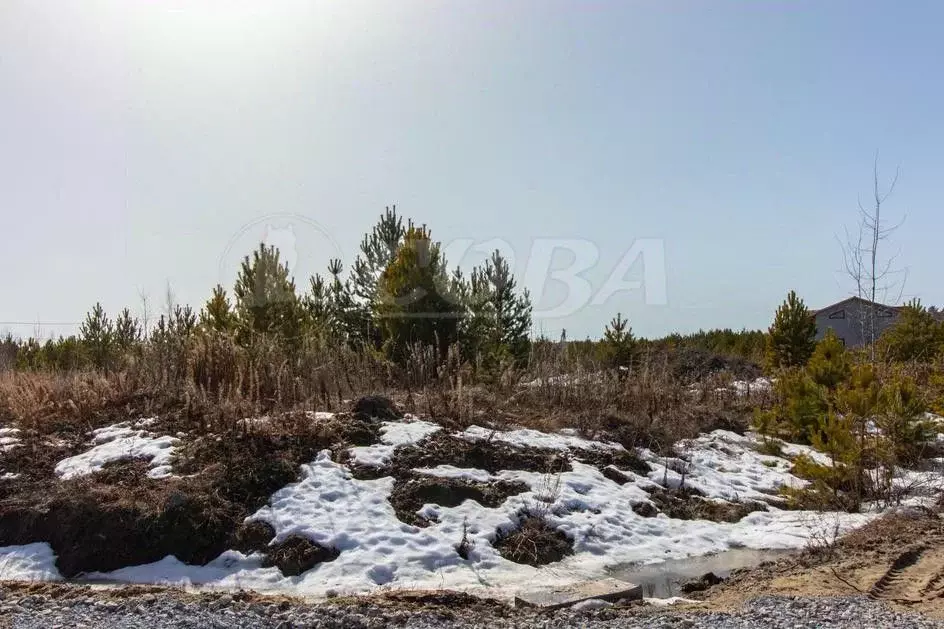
(854, 299)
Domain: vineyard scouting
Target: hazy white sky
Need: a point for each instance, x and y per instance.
(152, 143)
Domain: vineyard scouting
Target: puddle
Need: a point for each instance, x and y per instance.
(665, 579)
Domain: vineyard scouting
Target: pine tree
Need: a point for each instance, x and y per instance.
(98, 336)
(829, 365)
(903, 422)
(265, 298)
(127, 331)
(413, 304)
(916, 335)
(318, 302)
(498, 316)
(790, 340)
(618, 347)
(377, 251)
(217, 313)
(182, 322)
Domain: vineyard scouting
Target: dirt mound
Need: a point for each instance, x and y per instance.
(707, 580)
(492, 456)
(603, 459)
(97, 527)
(123, 472)
(296, 555)
(615, 475)
(292, 556)
(645, 509)
(253, 537)
(686, 504)
(246, 468)
(376, 407)
(34, 460)
(533, 542)
(410, 494)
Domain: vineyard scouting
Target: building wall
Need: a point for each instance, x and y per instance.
(849, 320)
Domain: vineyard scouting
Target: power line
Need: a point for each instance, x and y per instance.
(40, 322)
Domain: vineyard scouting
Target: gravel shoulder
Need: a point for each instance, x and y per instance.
(49, 606)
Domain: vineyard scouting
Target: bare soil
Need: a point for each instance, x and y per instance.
(898, 558)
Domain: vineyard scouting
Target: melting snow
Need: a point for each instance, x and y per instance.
(9, 438)
(331, 507)
(724, 465)
(746, 387)
(32, 562)
(392, 435)
(537, 439)
(122, 442)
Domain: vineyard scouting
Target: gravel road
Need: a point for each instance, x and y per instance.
(152, 611)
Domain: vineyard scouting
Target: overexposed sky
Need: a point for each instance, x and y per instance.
(147, 144)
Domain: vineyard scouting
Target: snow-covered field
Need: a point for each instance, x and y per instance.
(333, 508)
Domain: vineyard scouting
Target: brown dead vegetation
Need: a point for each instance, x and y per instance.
(296, 555)
(443, 448)
(533, 542)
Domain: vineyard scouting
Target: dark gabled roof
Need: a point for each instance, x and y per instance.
(855, 299)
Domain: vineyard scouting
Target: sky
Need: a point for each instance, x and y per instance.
(685, 163)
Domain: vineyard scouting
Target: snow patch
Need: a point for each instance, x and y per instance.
(667, 602)
(392, 436)
(527, 438)
(9, 439)
(31, 562)
(119, 442)
(746, 387)
(724, 465)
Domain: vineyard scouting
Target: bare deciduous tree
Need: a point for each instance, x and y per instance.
(873, 274)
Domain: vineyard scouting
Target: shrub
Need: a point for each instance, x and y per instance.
(902, 421)
(873, 424)
(98, 336)
(217, 314)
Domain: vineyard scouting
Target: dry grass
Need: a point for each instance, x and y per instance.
(208, 383)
